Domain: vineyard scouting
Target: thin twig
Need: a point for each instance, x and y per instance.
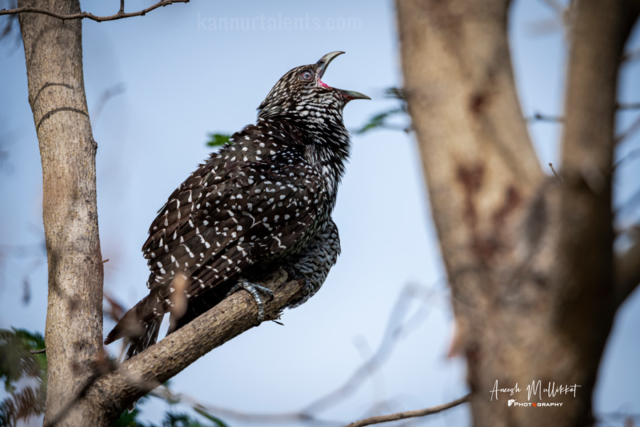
(88, 15)
(104, 261)
(109, 93)
(42, 350)
(398, 327)
(409, 414)
(630, 56)
(538, 117)
(631, 106)
(393, 334)
(633, 154)
(555, 173)
(635, 126)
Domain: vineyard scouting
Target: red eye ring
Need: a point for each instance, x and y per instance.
(306, 76)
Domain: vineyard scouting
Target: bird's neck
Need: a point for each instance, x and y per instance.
(330, 146)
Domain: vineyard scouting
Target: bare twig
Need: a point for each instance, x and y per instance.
(408, 414)
(555, 173)
(89, 15)
(41, 351)
(630, 56)
(628, 268)
(115, 90)
(397, 328)
(393, 334)
(635, 126)
(538, 117)
(633, 154)
(631, 106)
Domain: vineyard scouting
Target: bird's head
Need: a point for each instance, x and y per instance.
(302, 94)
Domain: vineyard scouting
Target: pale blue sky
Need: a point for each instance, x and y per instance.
(184, 80)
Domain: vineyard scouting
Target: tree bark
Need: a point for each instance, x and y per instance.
(112, 392)
(73, 335)
(83, 388)
(530, 261)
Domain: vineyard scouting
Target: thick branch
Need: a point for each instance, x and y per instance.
(89, 15)
(586, 295)
(408, 414)
(136, 376)
(53, 52)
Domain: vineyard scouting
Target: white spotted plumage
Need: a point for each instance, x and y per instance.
(269, 206)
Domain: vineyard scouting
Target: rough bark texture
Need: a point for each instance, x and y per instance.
(73, 334)
(83, 388)
(113, 392)
(530, 261)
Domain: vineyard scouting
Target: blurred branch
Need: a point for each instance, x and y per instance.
(408, 414)
(628, 268)
(88, 15)
(555, 173)
(633, 154)
(538, 117)
(115, 90)
(630, 56)
(115, 391)
(396, 329)
(635, 126)
(630, 106)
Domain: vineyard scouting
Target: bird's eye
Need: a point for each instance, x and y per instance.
(306, 76)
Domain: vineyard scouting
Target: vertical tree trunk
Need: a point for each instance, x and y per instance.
(73, 335)
(529, 260)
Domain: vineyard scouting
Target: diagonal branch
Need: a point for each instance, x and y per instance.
(89, 15)
(160, 362)
(408, 414)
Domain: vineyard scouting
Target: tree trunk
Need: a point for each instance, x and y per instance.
(73, 334)
(530, 260)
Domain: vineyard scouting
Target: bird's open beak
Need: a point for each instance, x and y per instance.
(323, 63)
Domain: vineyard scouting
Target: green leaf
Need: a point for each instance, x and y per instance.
(16, 359)
(379, 120)
(16, 362)
(217, 139)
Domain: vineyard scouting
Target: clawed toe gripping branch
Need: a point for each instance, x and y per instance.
(254, 290)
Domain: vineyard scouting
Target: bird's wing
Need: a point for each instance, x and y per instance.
(229, 215)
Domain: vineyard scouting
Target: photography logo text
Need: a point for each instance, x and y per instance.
(536, 390)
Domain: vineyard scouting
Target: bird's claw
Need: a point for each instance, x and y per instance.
(254, 290)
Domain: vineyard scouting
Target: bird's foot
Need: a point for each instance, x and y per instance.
(254, 290)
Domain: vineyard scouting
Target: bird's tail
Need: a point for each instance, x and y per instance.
(140, 325)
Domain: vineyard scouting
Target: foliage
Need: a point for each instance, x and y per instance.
(17, 364)
(217, 139)
(171, 419)
(376, 122)
(381, 120)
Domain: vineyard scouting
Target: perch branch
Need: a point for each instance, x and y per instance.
(135, 377)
